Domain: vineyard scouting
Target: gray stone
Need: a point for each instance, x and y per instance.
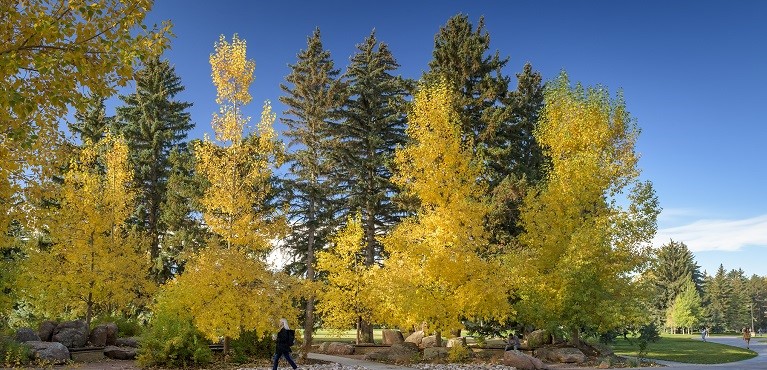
(429, 342)
(50, 352)
(26, 335)
(111, 333)
(603, 349)
(538, 339)
(390, 337)
(337, 348)
(45, 331)
(127, 342)
(522, 361)
(435, 353)
(323, 348)
(98, 337)
(72, 334)
(120, 353)
(456, 342)
(416, 338)
(563, 355)
(398, 352)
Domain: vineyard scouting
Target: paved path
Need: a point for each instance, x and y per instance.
(757, 363)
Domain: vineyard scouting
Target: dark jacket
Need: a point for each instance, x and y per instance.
(283, 340)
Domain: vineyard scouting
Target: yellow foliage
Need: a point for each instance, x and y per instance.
(437, 270)
(580, 248)
(96, 261)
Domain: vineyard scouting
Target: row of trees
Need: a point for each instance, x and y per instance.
(687, 299)
(472, 202)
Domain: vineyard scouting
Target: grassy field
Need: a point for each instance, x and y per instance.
(682, 348)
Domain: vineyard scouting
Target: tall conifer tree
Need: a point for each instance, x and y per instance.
(154, 123)
(372, 126)
(313, 95)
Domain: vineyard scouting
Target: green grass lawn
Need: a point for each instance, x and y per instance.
(682, 348)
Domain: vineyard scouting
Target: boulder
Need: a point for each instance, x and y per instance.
(45, 331)
(127, 342)
(456, 342)
(337, 348)
(522, 361)
(567, 355)
(26, 335)
(323, 348)
(390, 337)
(434, 353)
(602, 349)
(72, 334)
(538, 339)
(50, 352)
(604, 365)
(416, 338)
(120, 353)
(98, 336)
(111, 333)
(398, 352)
(429, 342)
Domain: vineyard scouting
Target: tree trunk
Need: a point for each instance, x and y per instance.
(226, 344)
(576, 338)
(309, 309)
(438, 338)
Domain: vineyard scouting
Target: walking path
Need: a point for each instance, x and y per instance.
(757, 363)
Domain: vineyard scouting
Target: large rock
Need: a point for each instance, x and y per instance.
(538, 339)
(50, 352)
(111, 333)
(398, 352)
(45, 331)
(456, 342)
(602, 349)
(72, 334)
(434, 353)
(567, 355)
(429, 342)
(127, 342)
(26, 335)
(337, 348)
(416, 338)
(390, 337)
(120, 353)
(522, 361)
(98, 337)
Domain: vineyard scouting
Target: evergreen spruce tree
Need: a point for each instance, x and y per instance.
(154, 122)
(718, 298)
(92, 123)
(461, 57)
(738, 314)
(372, 125)
(313, 95)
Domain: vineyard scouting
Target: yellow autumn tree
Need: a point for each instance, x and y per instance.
(346, 298)
(227, 287)
(95, 264)
(53, 56)
(587, 228)
(438, 268)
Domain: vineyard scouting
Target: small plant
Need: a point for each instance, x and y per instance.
(251, 345)
(632, 362)
(458, 354)
(480, 341)
(13, 354)
(173, 341)
(647, 334)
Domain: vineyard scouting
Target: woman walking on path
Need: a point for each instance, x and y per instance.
(285, 338)
(747, 336)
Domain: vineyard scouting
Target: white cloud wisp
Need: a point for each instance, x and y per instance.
(717, 235)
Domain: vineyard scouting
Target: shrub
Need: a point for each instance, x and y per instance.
(480, 341)
(12, 353)
(126, 327)
(173, 341)
(251, 345)
(458, 354)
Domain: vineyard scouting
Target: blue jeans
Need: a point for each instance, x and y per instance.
(287, 357)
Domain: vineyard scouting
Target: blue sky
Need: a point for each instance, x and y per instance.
(694, 75)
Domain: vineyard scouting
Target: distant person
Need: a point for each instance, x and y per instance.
(285, 338)
(747, 336)
(512, 343)
(703, 333)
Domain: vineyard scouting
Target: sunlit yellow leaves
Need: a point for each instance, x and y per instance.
(95, 259)
(580, 247)
(232, 74)
(435, 271)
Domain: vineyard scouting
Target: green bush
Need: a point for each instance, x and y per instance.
(251, 345)
(458, 354)
(173, 341)
(12, 353)
(126, 327)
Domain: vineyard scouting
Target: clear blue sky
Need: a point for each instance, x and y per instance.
(694, 75)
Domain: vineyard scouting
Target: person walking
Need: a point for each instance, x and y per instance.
(703, 333)
(285, 338)
(747, 336)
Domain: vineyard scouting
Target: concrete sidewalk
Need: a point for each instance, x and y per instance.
(370, 365)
